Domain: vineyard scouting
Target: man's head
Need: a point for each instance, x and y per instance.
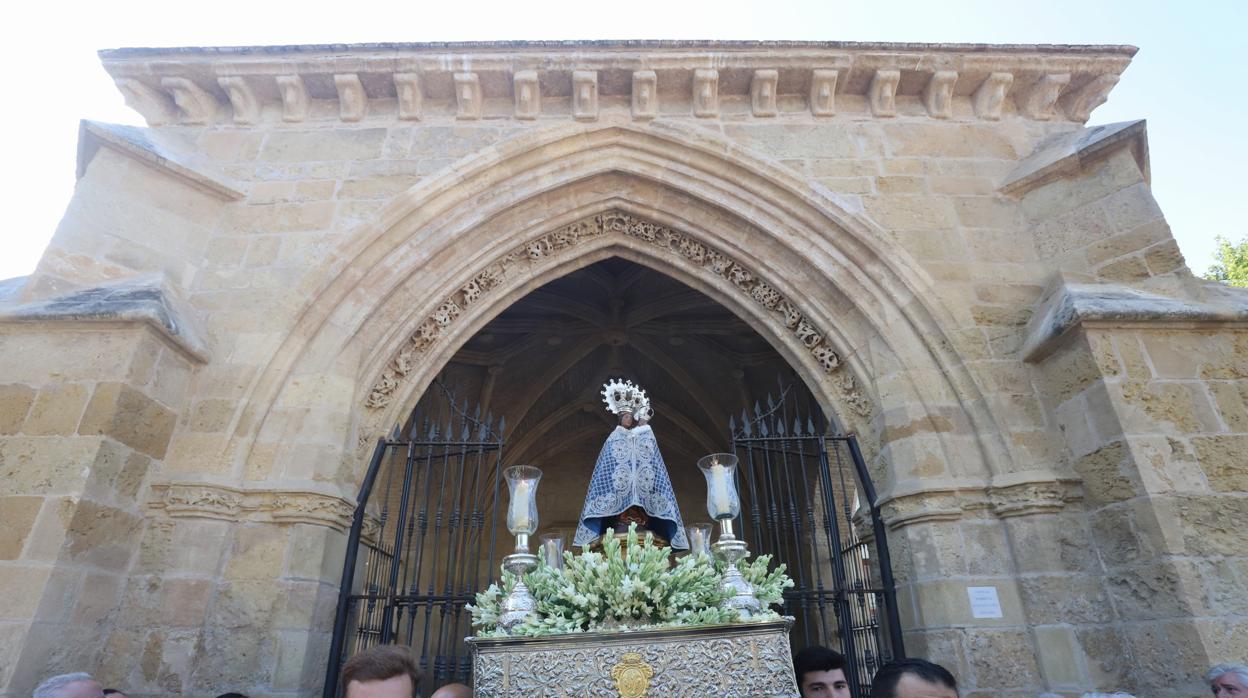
(69, 686)
(113, 693)
(385, 671)
(913, 678)
(1228, 681)
(820, 673)
(453, 690)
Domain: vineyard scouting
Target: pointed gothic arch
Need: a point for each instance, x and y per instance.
(865, 299)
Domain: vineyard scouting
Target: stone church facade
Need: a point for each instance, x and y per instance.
(243, 296)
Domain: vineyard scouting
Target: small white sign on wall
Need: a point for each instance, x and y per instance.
(984, 602)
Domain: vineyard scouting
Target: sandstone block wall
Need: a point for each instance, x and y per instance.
(953, 239)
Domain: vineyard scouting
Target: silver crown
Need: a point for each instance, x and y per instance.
(623, 396)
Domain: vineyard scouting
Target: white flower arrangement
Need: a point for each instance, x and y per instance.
(640, 589)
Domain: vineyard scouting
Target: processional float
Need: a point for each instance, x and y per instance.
(624, 616)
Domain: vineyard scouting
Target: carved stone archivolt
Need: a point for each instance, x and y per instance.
(744, 660)
(209, 501)
(782, 310)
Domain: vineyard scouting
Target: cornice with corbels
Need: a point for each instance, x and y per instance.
(640, 80)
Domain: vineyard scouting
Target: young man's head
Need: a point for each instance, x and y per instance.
(385, 671)
(820, 673)
(913, 678)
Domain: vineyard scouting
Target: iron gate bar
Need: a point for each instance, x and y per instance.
(348, 569)
(436, 483)
(881, 547)
(833, 532)
(815, 540)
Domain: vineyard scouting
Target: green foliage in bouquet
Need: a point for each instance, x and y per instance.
(639, 589)
(769, 586)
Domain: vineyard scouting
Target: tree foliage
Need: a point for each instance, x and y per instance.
(1232, 263)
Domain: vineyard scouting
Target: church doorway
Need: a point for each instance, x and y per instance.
(526, 389)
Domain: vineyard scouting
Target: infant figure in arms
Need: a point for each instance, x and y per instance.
(630, 483)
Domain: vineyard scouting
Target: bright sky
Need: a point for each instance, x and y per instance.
(1187, 79)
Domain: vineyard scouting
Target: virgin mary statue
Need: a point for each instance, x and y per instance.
(630, 482)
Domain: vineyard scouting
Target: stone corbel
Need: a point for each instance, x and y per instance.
(763, 92)
(882, 93)
(156, 107)
(705, 93)
(197, 105)
(585, 95)
(294, 98)
(1079, 104)
(645, 95)
(528, 94)
(467, 96)
(352, 102)
(1041, 99)
(938, 95)
(989, 98)
(823, 92)
(409, 96)
(242, 99)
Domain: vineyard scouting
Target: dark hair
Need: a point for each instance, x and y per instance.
(380, 663)
(232, 695)
(816, 658)
(885, 683)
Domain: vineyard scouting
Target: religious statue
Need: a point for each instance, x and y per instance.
(630, 483)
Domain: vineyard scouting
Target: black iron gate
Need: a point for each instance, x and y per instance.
(807, 499)
(424, 540)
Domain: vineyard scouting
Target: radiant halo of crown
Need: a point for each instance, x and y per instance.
(646, 412)
(623, 396)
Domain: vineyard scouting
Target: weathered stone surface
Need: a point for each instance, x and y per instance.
(102, 536)
(129, 416)
(1003, 658)
(56, 410)
(1224, 460)
(15, 402)
(17, 518)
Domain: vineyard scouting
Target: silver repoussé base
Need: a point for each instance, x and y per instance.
(743, 660)
(731, 550)
(520, 603)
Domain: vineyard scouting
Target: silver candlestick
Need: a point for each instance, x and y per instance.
(731, 549)
(522, 483)
(519, 604)
(724, 504)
